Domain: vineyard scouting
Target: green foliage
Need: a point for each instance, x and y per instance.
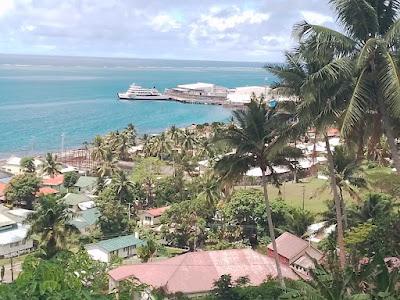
(114, 215)
(22, 190)
(50, 166)
(184, 224)
(385, 182)
(66, 276)
(147, 168)
(70, 178)
(170, 190)
(49, 225)
(150, 249)
(28, 165)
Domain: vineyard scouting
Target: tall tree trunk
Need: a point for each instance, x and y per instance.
(272, 230)
(390, 137)
(345, 223)
(336, 197)
(360, 145)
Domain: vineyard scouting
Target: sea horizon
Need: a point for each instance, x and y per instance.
(44, 97)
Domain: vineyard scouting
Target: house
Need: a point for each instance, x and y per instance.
(74, 200)
(85, 220)
(13, 165)
(13, 237)
(2, 191)
(85, 184)
(296, 252)
(56, 182)
(122, 246)
(151, 217)
(242, 95)
(194, 273)
(45, 191)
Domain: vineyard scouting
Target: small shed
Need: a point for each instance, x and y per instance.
(122, 246)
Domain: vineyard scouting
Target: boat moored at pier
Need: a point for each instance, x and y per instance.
(136, 92)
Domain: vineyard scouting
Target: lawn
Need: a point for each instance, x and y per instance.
(315, 192)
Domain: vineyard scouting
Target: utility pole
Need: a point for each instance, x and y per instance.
(12, 269)
(304, 191)
(62, 143)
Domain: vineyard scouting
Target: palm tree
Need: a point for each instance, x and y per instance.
(50, 225)
(174, 134)
(50, 166)
(161, 146)
(254, 138)
(321, 86)
(372, 38)
(123, 186)
(108, 164)
(188, 140)
(210, 189)
(98, 148)
(130, 133)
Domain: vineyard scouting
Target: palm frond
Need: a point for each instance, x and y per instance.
(322, 38)
(392, 36)
(358, 104)
(389, 83)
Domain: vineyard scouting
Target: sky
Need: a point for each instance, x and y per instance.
(229, 30)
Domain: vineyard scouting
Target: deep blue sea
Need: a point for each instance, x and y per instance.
(43, 97)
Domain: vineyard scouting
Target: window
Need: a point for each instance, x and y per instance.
(126, 249)
(147, 218)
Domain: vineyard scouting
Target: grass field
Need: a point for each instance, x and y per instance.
(315, 193)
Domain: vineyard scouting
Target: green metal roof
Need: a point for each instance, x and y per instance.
(119, 243)
(86, 218)
(86, 181)
(74, 199)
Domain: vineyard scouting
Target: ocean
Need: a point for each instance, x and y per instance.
(45, 97)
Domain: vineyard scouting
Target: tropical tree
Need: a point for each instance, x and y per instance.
(371, 40)
(49, 224)
(210, 189)
(174, 134)
(321, 86)
(70, 178)
(22, 190)
(188, 140)
(28, 164)
(123, 186)
(50, 166)
(97, 153)
(161, 146)
(254, 138)
(108, 164)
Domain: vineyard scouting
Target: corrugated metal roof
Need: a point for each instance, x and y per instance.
(86, 218)
(196, 272)
(75, 199)
(86, 181)
(119, 243)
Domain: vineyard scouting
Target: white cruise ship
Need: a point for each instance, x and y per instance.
(136, 92)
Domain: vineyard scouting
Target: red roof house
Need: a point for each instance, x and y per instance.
(194, 273)
(152, 216)
(54, 181)
(295, 251)
(2, 190)
(44, 191)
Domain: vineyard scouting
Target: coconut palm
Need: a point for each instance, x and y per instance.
(321, 86)
(123, 186)
(130, 133)
(188, 140)
(372, 39)
(161, 146)
(49, 224)
(123, 145)
(253, 136)
(98, 148)
(50, 166)
(108, 165)
(210, 189)
(174, 134)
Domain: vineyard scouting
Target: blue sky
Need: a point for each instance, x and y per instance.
(237, 30)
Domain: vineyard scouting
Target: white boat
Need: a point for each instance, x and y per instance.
(136, 92)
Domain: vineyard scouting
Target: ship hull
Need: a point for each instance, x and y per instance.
(122, 96)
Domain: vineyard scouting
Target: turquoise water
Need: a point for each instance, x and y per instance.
(44, 97)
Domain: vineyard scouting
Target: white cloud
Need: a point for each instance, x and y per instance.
(315, 18)
(164, 23)
(28, 28)
(5, 7)
(221, 23)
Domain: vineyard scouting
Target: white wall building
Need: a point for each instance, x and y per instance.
(151, 217)
(13, 165)
(122, 246)
(241, 95)
(13, 238)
